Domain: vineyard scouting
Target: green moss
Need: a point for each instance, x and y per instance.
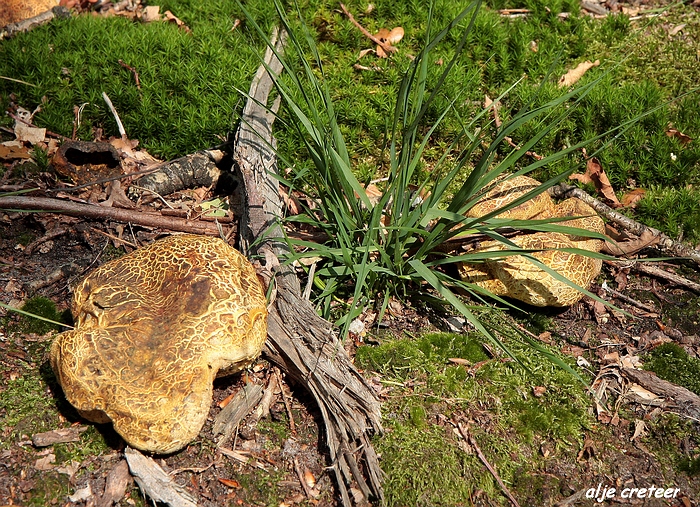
(668, 435)
(50, 489)
(92, 443)
(425, 467)
(424, 389)
(277, 430)
(43, 307)
(26, 408)
(670, 362)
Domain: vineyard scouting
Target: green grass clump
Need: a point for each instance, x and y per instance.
(670, 362)
(424, 390)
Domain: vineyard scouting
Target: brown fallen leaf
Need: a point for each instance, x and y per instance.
(45, 463)
(631, 246)
(13, 151)
(171, 18)
(230, 483)
(538, 391)
(573, 75)
(395, 35)
(389, 38)
(374, 193)
(151, 13)
(488, 103)
(631, 198)
(596, 175)
(684, 139)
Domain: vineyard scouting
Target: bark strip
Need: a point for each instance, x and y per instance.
(303, 344)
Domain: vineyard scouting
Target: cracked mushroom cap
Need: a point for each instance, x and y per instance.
(153, 330)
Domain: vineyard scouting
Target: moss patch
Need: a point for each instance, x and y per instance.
(427, 392)
(670, 362)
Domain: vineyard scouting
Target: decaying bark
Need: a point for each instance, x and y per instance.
(299, 341)
(678, 399)
(196, 170)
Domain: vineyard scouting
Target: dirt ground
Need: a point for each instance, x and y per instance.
(282, 460)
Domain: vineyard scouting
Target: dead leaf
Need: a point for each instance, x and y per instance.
(395, 35)
(577, 73)
(12, 150)
(81, 495)
(388, 38)
(374, 194)
(611, 358)
(32, 135)
(684, 139)
(151, 13)
(596, 175)
(230, 483)
(171, 18)
(496, 106)
(674, 31)
(631, 246)
(365, 52)
(383, 34)
(643, 394)
(631, 198)
(45, 463)
(309, 478)
(538, 391)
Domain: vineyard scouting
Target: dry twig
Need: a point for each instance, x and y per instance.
(299, 341)
(464, 431)
(101, 212)
(667, 245)
(388, 48)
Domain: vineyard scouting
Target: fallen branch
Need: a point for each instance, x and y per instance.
(678, 398)
(665, 244)
(50, 205)
(388, 48)
(299, 341)
(28, 24)
(656, 271)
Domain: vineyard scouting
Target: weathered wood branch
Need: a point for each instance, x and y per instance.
(667, 245)
(47, 204)
(678, 398)
(299, 341)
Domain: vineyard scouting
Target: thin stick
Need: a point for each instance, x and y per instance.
(17, 81)
(133, 72)
(300, 474)
(49, 205)
(648, 269)
(619, 295)
(666, 244)
(287, 405)
(388, 48)
(468, 437)
(122, 132)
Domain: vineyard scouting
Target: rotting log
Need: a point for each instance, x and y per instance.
(303, 344)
